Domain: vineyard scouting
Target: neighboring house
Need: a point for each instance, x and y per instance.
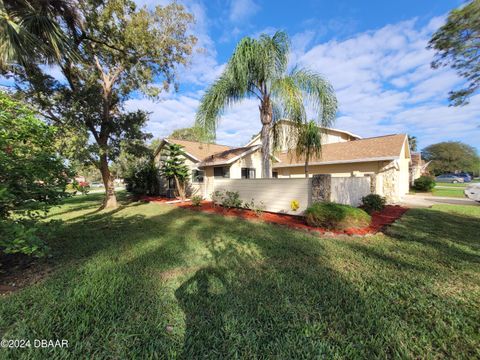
(343, 155)
(418, 167)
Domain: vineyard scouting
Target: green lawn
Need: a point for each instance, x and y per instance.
(451, 192)
(459, 185)
(234, 289)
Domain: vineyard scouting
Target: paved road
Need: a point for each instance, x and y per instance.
(422, 200)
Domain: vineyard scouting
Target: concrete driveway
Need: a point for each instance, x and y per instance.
(423, 200)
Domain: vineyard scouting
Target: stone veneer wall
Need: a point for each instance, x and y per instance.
(391, 177)
(321, 188)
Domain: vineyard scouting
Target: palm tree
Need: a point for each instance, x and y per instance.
(309, 142)
(258, 68)
(412, 140)
(33, 30)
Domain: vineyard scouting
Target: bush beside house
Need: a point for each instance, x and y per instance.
(336, 216)
(424, 183)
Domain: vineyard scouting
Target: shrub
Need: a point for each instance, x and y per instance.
(33, 176)
(25, 236)
(336, 216)
(257, 208)
(217, 197)
(424, 183)
(294, 205)
(231, 199)
(142, 177)
(71, 188)
(196, 200)
(83, 187)
(373, 202)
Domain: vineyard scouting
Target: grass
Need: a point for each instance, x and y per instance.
(154, 281)
(458, 193)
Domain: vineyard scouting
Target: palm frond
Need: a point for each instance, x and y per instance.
(319, 94)
(289, 98)
(31, 31)
(223, 93)
(309, 140)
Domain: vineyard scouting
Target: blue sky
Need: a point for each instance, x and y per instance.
(373, 52)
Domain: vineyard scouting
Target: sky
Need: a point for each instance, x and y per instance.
(372, 52)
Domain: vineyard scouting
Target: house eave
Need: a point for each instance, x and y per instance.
(165, 141)
(230, 161)
(385, 158)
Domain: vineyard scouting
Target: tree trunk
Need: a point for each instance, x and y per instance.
(266, 118)
(110, 200)
(180, 188)
(306, 166)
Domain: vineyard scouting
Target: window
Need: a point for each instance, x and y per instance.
(221, 172)
(197, 176)
(248, 173)
(275, 174)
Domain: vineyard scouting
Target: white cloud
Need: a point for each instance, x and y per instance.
(384, 84)
(241, 10)
(383, 81)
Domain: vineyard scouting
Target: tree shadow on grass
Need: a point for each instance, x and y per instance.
(244, 290)
(451, 238)
(274, 293)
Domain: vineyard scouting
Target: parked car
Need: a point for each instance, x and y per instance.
(466, 176)
(449, 178)
(473, 192)
(96, 184)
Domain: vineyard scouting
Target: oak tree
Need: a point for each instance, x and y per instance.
(123, 51)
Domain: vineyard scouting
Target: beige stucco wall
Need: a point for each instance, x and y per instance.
(336, 170)
(392, 176)
(252, 160)
(276, 194)
(349, 190)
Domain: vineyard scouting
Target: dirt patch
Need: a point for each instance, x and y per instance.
(18, 271)
(379, 219)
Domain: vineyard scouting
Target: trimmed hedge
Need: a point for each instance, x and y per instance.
(373, 202)
(424, 183)
(336, 216)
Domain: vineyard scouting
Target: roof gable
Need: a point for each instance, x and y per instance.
(196, 150)
(387, 147)
(229, 156)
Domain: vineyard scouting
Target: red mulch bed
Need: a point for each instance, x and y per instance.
(158, 199)
(379, 219)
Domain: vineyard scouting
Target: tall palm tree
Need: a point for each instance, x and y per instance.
(258, 68)
(309, 142)
(32, 30)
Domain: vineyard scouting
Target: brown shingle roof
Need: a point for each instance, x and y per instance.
(199, 150)
(388, 146)
(224, 156)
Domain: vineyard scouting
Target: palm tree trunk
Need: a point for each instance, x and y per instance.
(306, 165)
(266, 114)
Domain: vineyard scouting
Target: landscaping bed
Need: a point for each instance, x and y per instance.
(379, 219)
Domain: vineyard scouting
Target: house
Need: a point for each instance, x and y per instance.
(418, 167)
(343, 155)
